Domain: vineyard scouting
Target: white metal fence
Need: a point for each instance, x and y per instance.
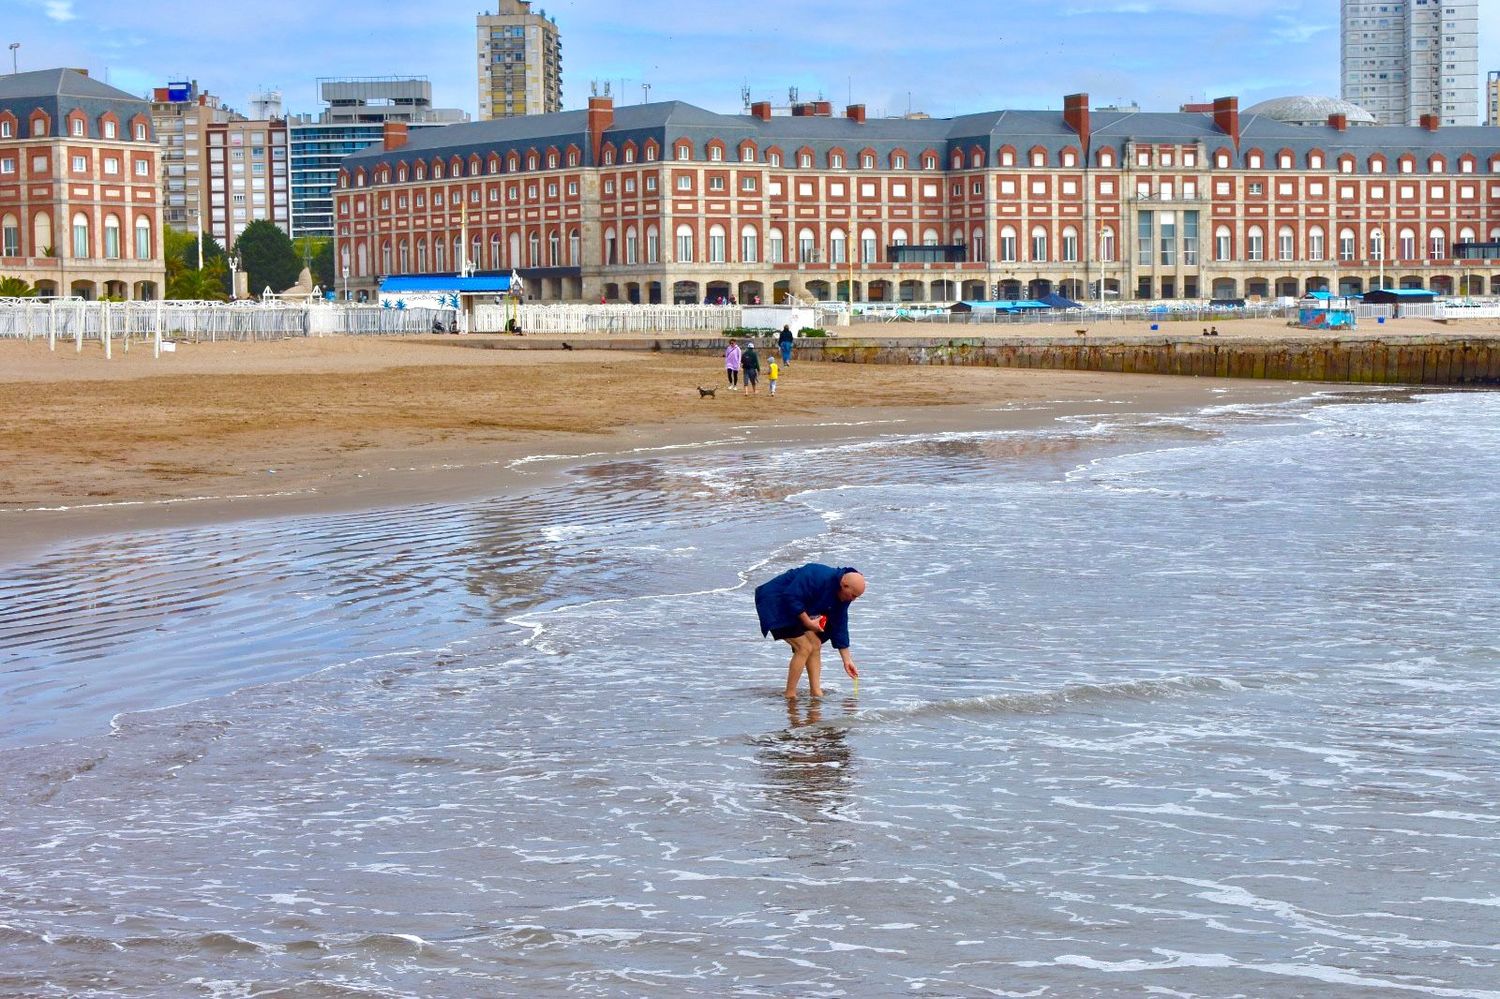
(75, 319)
(534, 318)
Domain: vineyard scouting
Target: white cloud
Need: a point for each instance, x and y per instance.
(59, 10)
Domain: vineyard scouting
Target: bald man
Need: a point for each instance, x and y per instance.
(806, 607)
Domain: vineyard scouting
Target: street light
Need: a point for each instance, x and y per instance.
(346, 282)
(234, 266)
(14, 65)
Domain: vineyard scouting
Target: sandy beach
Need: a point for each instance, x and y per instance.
(231, 429)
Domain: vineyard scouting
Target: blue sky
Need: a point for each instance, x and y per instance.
(946, 58)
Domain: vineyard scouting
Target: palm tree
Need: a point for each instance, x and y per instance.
(14, 287)
(205, 285)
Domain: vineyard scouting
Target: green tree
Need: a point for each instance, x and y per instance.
(322, 266)
(267, 257)
(206, 285)
(14, 287)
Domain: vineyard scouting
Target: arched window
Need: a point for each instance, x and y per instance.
(1406, 245)
(978, 245)
(868, 246)
(716, 247)
(1317, 246)
(806, 246)
(574, 241)
(385, 256)
(1286, 243)
(1377, 244)
(513, 250)
(611, 251)
(143, 239)
(1107, 244)
(749, 244)
(684, 244)
(421, 256)
(81, 236)
(838, 247)
(1008, 245)
(930, 237)
(653, 241)
(10, 236)
(1346, 244)
(1437, 244)
(1223, 243)
(1039, 244)
(495, 260)
(1070, 245)
(362, 260)
(632, 246)
(403, 257)
(899, 237)
(1255, 243)
(554, 248)
(439, 254)
(534, 249)
(775, 246)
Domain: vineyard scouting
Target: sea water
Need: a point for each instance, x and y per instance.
(1195, 704)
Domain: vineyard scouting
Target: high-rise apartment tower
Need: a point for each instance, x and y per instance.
(1493, 89)
(1403, 59)
(520, 62)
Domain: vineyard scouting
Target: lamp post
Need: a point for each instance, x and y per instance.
(233, 260)
(346, 282)
(15, 67)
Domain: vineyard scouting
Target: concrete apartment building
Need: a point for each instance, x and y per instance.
(1492, 91)
(520, 62)
(224, 170)
(353, 118)
(669, 202)
(1403, 59)
(80, 195)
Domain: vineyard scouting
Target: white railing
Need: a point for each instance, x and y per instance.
(534, 318)
(77, 320)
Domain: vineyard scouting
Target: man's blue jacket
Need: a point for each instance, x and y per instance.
(813, 588)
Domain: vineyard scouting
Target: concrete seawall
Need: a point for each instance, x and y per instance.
(1426, 359)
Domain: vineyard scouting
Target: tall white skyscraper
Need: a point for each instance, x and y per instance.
(520, 62)
(1403, 59)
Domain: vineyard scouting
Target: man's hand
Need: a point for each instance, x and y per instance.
(850, 668)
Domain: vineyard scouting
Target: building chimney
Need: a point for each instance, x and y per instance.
(1431, 122)
(761, 110)
(855, 113)
(802, 110)
(1227, 117)
(1076, 114)
(393, 135)
(823, 109)
(601, 119)
(1338, 122)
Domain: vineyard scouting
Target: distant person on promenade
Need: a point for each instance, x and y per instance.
(732, 363)
(773, 372)
(750, 365)
(784, 338)
(806, 607)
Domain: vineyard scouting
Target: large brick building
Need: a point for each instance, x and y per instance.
(669, 202)
(80, 205)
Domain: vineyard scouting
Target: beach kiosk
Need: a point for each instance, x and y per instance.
(463, 294)
(1321, 310)
(1409, 302)
(988, 311)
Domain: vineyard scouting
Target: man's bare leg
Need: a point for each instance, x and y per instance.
(800, 653)
(815, 667)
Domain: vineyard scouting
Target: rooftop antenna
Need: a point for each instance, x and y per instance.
(645, 93)
(791, 95)
(745, 97)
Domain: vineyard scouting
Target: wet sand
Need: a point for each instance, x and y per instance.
(228, 430)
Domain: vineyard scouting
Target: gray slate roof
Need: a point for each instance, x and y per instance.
(60, 91)
(669, 121)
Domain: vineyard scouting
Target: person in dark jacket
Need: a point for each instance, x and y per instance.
(750, 367)
(784, 339)
(806, 607)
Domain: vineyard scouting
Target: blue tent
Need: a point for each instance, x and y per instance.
(1055, 301)
(1008, 305)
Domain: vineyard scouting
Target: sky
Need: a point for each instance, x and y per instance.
(947, 58)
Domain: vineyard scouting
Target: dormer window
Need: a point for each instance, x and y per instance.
(76, 126)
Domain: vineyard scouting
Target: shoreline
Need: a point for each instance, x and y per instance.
(458, 468)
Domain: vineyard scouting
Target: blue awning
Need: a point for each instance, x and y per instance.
(449, 284)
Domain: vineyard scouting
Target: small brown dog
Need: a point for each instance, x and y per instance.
(709, 393)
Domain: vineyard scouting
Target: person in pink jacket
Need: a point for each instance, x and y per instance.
(732, 363)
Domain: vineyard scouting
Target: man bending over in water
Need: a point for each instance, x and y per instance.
(806, 607)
